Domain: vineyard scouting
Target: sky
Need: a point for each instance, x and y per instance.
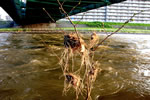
(3, 13)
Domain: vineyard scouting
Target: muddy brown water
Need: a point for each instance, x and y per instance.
(30, 71)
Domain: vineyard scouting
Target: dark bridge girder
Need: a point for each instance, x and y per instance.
(31, 11)
(15, 9)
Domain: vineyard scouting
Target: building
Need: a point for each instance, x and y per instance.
(119, 12)
(1, 19)
(8, 18)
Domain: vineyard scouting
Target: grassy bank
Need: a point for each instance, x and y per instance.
(25, 29)
(91, 26)
(110, 24)
(124, 30)
(111, 30)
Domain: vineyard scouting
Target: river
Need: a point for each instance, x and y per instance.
(29, 70)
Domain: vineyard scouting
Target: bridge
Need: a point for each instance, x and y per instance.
(25, 12)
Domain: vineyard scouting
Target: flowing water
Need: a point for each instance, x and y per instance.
(29, 70)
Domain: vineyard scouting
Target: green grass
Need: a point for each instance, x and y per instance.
(13, 29)
(95, 24)
(110, 24)
(124, 30)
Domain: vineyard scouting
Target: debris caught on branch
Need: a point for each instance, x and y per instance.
(71, 41)
(94, 71)
(85, 75)
(72, 80)
(88, 70)
(94, 40)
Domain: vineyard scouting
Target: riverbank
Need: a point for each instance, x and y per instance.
(114, 25)
(105, 30)
(68, 29)
(103, 27)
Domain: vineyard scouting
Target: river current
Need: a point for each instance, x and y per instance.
(29, 70)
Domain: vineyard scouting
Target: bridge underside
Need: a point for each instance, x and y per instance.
(31, 11)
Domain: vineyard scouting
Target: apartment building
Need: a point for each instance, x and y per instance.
(119, 12)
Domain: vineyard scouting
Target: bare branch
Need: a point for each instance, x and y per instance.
(49, 15)
(67, 16)
(76, 6)
(63, 2)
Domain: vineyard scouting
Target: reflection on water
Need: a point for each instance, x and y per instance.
(30, 71)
